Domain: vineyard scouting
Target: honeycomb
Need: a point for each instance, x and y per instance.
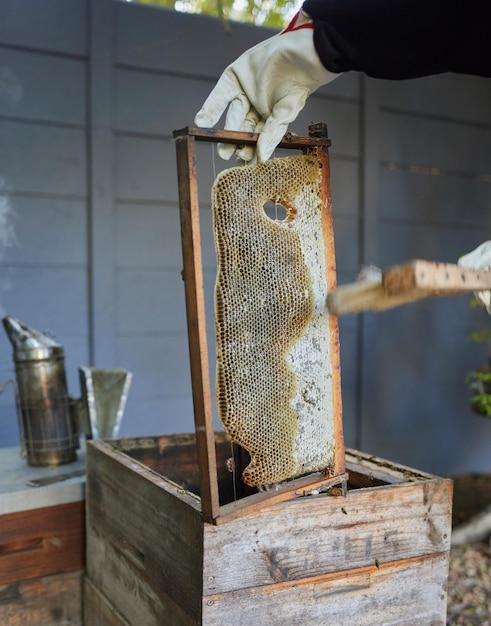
(273, 379)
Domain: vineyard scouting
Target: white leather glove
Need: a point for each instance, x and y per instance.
(479, 259)
(266, 88)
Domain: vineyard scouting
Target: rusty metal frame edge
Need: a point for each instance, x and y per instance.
(185, 140)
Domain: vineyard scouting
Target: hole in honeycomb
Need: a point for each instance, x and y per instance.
(275, 210)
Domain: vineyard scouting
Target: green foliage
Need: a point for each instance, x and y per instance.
(481, 336)
(479, 381)
(272, 13)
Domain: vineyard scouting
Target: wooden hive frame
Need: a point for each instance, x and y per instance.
(316, 144)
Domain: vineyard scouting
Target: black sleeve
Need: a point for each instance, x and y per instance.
(399, 39)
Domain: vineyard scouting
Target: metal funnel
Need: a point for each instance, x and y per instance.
(104, 393)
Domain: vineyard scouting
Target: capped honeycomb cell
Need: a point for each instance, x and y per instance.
(273, 379)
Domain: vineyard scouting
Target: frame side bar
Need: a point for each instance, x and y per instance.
(196, 321)
(322, 153)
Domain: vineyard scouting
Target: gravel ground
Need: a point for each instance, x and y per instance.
(469, 581)
(469, 586)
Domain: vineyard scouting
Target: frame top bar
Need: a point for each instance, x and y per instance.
(290, 140)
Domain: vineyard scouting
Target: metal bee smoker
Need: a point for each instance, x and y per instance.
(50, 421)
(47, 431)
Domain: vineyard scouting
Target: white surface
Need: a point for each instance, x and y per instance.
(16, 495)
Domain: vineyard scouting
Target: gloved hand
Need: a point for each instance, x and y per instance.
(479, 259)
(266, 88)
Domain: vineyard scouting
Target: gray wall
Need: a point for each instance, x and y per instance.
(90, 92)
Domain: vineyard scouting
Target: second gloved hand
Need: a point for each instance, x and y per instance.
(479, 259)
(266, 88)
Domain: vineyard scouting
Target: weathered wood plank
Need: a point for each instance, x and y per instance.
(380, 469)
(406, 283)
(98, 611)
(289, 490)
(322, 534)
(46, 601)
(439, 277)
(410, 592)
(175, 457)
(40, 542)
(363, 295)
(144, 539)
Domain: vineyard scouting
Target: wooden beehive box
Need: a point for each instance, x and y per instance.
(377, 556)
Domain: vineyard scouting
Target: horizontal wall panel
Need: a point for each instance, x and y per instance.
(42, 87)
(163, 415)
(147, 102)
(346, 234)
(401, 242)
(161, 361)
(46, 230)
(48, 298)
(42, 159)
(54, 25)
(155, 96)
(472, 455)
(76, 356)
(9, 431)
(160, 39)
(440, 144)
(159, 104)
(415, 402)
(345, 186)
(160, 298)
(145, 169)
(342, 120)
(444, 96)
(445, 199)
(420, 414)
(207, 240)
(349, 382)
(209, 279)
(148, 236)
(344, 86)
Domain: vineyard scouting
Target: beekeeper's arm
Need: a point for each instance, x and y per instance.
(267, 86)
